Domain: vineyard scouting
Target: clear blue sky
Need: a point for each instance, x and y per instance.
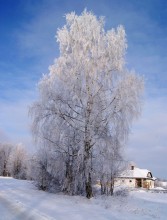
(28, 47)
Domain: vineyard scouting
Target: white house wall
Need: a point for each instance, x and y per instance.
(125, 182)
(131, 182)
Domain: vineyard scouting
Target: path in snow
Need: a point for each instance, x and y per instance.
(18, 211)
(20, 200)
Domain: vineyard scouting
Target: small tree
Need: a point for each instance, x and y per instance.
(87, 97)
(17, 164)
(5, 152)
(110, 164)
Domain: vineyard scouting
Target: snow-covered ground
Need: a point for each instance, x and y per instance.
(20, 200)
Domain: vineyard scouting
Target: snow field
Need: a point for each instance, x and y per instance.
(19, 199)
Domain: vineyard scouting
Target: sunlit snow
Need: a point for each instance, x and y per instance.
(19, 199)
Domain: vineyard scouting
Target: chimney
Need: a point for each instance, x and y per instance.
(132, 167)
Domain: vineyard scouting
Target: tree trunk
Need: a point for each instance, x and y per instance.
(87, 171)
(103, 188)
(89, 193)
(112, 187)
(4, 169)
(67, 188)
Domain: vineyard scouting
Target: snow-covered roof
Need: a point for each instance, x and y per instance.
(137, 173)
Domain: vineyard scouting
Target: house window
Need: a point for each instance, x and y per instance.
(123, 181)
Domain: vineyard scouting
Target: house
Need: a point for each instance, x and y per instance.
(135, 177)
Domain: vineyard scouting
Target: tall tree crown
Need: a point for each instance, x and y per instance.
(89, 99)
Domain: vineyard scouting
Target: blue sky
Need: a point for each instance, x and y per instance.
(28, 47)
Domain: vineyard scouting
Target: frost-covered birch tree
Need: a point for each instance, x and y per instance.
(88, 97)
(5, 152)
(110, 163)
(17, 164)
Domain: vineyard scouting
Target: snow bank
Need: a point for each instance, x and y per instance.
(19, 199)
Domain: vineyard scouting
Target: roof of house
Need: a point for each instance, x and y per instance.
(137, 173)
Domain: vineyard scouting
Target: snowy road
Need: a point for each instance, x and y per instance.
(5, 211)
(15, 210)
(20, 200)
(18, 211)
